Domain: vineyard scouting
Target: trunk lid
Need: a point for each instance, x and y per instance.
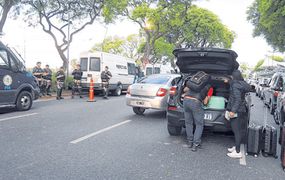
(211, 60)
(148, 90)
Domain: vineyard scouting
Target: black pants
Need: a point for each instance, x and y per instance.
(237, 127)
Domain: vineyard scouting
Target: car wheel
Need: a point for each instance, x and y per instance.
(118, 90)
(24, 101)
(174, 130)
(271, 108)
(138, 110)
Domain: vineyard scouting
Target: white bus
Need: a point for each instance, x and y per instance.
(122, 69)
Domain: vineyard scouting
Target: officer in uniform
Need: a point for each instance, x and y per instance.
(105, 77)
(38, 73)
(47, 78)
(60, 78)
(77, 74)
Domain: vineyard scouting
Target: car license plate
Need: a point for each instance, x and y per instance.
(208, 116)
(139, 103)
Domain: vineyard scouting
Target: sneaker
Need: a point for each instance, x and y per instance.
(57, 98)
(61, 98)
(235, 155)
(232, 149)
(195, 147)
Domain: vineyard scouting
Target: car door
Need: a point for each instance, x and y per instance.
(7, 87)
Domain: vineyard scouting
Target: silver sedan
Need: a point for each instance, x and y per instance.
(151, 92)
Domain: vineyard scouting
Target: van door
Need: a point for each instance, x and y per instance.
(7, 80)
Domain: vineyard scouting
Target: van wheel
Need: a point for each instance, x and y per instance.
(24, 101)
(138, 110)
(118, 90)
(174, 130)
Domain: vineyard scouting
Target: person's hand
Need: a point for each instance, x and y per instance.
(231, 114)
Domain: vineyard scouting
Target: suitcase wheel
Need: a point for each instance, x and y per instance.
(255, 155)
(276, 157)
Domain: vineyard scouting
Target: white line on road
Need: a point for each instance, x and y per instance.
(242, 161)
(16, 117)
(99, 132)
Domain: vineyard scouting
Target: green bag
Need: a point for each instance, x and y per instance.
(216, 102)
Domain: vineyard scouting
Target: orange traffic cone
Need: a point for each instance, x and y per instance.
(91, 91)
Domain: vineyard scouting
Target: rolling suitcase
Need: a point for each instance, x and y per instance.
(282, 155)
(254, 136)
(269, 147)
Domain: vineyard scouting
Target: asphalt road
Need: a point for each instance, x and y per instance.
(75, 139)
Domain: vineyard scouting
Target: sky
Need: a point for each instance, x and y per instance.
(35, 45)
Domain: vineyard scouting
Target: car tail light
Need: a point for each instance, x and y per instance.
(161, 92)
(172, 90)
(275, 93)
(172, 108)
(129, 91)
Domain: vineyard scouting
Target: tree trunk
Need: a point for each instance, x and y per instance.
(6, 8)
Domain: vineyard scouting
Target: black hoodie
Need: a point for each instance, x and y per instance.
(238, 89)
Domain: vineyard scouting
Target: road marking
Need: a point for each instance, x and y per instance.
(99, 132)
(242, 161)
(16, 117)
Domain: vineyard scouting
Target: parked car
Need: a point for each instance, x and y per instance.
(280, 101)
(271, 92)
(18, 88)
(261, 85)
(150, 92)
(219, 63)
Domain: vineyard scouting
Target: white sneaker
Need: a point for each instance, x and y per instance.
(235, 155)
(232, 149)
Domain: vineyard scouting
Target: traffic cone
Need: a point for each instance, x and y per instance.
(91, 92)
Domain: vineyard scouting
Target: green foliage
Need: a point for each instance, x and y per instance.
(277, 58)
(258, 65)
(128, 47)
(268, 19)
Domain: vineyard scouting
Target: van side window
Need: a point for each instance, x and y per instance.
(131, 68)
(83, 64)
(4, 62)
(156, 70)
(94, 64)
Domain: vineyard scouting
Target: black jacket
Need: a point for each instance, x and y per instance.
(77, 74)
(106, 76)
(48, 75)
(199, 95)
(236, 102)
(60, 76)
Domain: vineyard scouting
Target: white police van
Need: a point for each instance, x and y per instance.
(121, 68)
(18, 88)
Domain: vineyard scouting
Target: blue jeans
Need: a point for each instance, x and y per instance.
(193, 113)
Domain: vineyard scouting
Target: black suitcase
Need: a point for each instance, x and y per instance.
(269, 146)
(282, 138)
(254, 136)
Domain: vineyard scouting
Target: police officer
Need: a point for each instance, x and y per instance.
(47, 78)
(105, 78)
(60, 78)
(38, 73)
(77, 74)
(194, 112)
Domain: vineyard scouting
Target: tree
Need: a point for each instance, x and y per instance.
(268, 19)
(258, 65)
(128, 47)
(6, 6)
(155, 17)
(62, 19)
(202, 28)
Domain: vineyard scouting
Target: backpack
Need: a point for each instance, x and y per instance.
(198, 81)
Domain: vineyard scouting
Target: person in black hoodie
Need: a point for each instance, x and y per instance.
(236, 108)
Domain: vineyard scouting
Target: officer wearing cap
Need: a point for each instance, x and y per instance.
(77, 74)
(38, 73)
(105, 78)
(47, 78)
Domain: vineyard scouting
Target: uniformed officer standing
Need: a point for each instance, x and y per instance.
(47, 78)
(77, 74)
(105, 77)
(60, 78)
(38, 73)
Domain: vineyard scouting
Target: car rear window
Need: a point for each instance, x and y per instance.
(155, 80)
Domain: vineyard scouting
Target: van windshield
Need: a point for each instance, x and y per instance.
(83, 64)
